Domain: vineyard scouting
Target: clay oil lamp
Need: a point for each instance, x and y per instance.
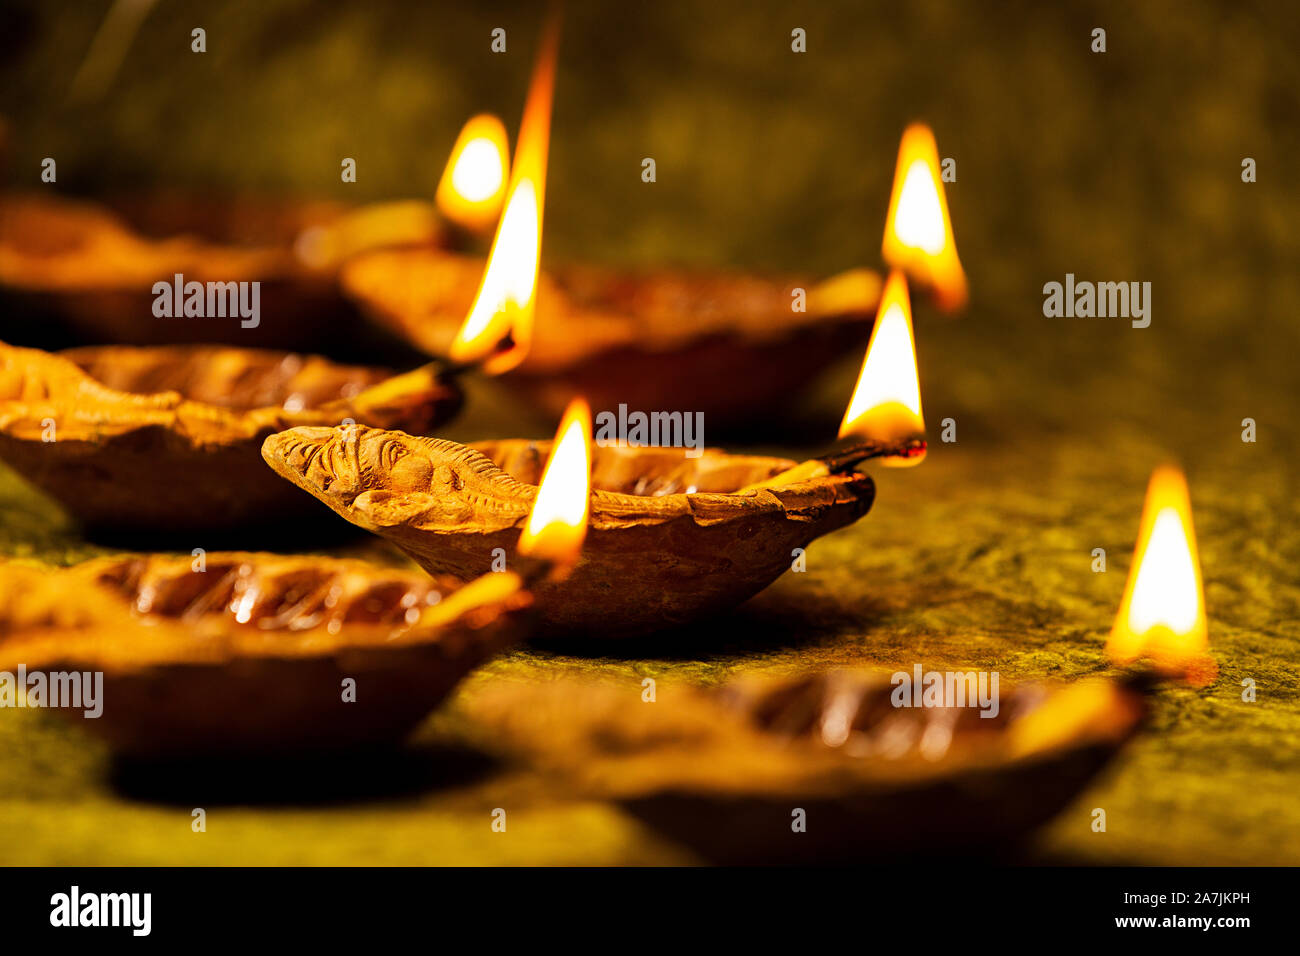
(240, 653)
(87, 271)
(672, 538)
(164, 441)
(734, 346)
(918, 231)
(92, 267)
(823, 765)
(871, 764)
(737, 345)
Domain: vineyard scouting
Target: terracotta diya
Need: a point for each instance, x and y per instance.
(165, 439)
(724, 770)
(252, 653)
(672, 537)
(670, 540)
(90, 269)
(729, 346)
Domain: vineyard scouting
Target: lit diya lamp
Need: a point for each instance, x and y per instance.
(822, 765)
(93, 267)
(732, 343)
(918, 230)
(250, 653)
(164, 441)
(736, 345)
(665, 528)
(871, 764)
(90, 270)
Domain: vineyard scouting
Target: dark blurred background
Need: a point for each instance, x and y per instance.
(1117, 166)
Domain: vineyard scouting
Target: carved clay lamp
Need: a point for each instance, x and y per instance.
(672, 538)
(728, 770)
(165, 440)
(245, 653)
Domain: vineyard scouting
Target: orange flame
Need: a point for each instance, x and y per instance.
(1162, 615)
(473, 184)
(498, 330)
(886, 402)
(557, 525)
(918, 230)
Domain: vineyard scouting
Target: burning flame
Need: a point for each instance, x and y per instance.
(886, 402)
(1162, 616)
(918, 231)
(558, 522)
(498, 329)
(474, 182)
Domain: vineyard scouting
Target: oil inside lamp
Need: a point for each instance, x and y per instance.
(918, 230)
(886, 402)
(473, 183)
(498, 329)
(557, 524)
(1162, 616)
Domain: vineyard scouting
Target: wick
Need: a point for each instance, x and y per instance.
(845, 458)
(533, 570)
(451, 369)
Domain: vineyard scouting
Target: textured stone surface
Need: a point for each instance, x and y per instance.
(1122, 167)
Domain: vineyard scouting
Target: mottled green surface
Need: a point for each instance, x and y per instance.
(1122, 166)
